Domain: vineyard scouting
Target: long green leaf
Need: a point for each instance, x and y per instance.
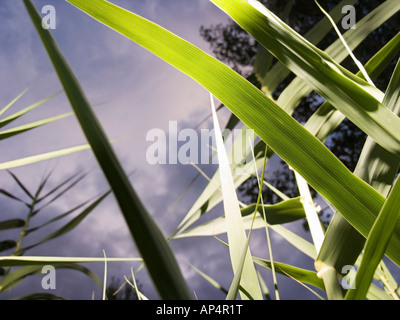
(299, 274)
(26, 127)
(354, 97)
(41, 157)
(16, 115)
(15, 261)
(13, 101)
(153, 247)
(10, 280)
(11, 224)
(242, 264)
(300, 149)
(376, 244)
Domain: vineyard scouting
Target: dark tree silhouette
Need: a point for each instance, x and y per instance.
(115, 291)
(232, 45)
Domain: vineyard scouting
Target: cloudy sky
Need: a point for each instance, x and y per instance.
(133, 92)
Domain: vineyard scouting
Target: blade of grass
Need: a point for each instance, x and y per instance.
(242, 265)
(11, 224)
(41, 157)
(376, 244)
(212, 281)
(21, 185)
(12, 279)
(13, 101)
(26, 127)
(16, 115)
(156, 252)
(303, 275)
(16, 261)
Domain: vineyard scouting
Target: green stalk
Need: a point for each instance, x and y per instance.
(376, 244)
(156, 252)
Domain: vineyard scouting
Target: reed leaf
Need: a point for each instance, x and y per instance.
(156, 252)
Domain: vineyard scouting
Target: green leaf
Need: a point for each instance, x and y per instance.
(7, 244)
(15, 116)
(11, 224)
(354, 97)
(153, 247)
(376, 244)
(210, 280)
(10, 280)
(13, 101)
(242, 264)
(302, 275)
(41, 157)
(26, 127)
(16, 261)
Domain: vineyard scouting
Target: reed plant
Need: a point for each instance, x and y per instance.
(365, 228)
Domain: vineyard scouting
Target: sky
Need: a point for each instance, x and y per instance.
(132, 92)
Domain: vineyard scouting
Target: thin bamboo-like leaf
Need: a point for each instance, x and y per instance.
(16, 261)
(10, 280)
(210, 280)
(9, 195)
(60, 185)
(156, 252)
(324, 172)
(21, 185)
(11, 224)
(376, 244)
(13, 101)
(7, 244)
(62, 192)
(41, 157)
(26, 127)
(299, 274)
(242, 265)
(16, 115)
(63, 215)
(283, 212)
(70, 225)
(218, 226)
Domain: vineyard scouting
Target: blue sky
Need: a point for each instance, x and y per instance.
(133, 92)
